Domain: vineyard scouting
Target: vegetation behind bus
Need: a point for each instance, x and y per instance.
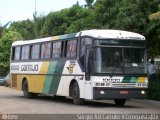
(154, 93)
(128, 15)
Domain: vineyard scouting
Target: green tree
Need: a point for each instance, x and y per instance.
(38, 24)
(5, 48)
(65, 21)
(88, 22)
(106, 12)
(80, 18)
(25, 28)
(55, 23)
(121, 14)
(131, 15)
(3, 28)
(153, 38)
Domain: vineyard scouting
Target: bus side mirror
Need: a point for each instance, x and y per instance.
(88, 63)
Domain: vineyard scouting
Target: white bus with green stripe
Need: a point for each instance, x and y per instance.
(88, 65)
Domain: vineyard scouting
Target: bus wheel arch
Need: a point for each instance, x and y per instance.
(74, 92)
(25, 89)
(24, 79)
(23, 82)
(71, 87)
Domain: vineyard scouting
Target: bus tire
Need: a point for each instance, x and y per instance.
(120, 102)
(25, 90)
(76, 95)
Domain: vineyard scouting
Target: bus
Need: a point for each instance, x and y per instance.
(87, 65)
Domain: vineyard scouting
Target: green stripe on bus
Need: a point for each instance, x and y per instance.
(126, 80)
(56, 79)
(48, 80)
(133, 79)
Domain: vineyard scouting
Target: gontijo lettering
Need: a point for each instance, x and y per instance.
(29, 67)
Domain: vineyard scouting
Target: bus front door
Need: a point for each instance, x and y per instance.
(88, 84)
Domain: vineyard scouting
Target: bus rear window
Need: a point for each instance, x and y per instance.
(16, 53)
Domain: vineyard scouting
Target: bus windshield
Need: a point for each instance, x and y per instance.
(118, 60)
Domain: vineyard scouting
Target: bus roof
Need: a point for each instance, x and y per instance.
(115, 34)
(101, 34)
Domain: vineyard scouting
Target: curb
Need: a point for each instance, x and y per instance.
(153, 102)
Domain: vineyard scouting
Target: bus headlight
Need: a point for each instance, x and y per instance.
(143, 92)
(102, 92)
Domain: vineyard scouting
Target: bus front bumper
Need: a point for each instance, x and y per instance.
(119, 93)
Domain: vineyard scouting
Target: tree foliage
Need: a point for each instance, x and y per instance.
(153, 38)
(38, 25)
(3, 28)
(25, 28)
(5, 48)
(131, 15)
(68, 20)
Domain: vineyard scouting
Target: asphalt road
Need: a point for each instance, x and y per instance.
(13, 102)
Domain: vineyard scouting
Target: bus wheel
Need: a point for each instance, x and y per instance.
(120, 102)
(25, 90)
(76, 95)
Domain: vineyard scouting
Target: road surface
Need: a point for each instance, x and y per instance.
(13, 102)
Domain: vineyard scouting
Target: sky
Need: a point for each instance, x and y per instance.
(17, 10)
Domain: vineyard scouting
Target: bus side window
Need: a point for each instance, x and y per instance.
(25, 52)
(46, 50)
(57, 50)
(84, 42)
(16, 53)
(13, 53)
(71, 48)
(35, 51)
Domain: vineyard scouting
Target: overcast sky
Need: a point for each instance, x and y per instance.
(15, 10)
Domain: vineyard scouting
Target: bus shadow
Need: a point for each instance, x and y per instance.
(51, 99)
(69, 101)
(100, 104)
